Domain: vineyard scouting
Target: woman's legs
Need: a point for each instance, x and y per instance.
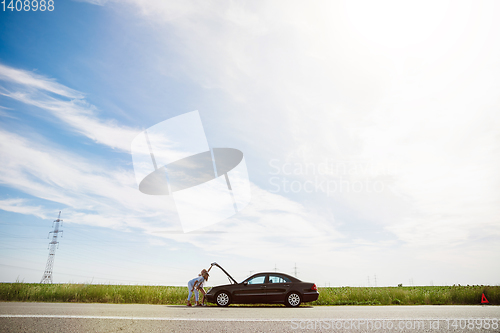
(190, 288)
(203, 293)
(196, 295)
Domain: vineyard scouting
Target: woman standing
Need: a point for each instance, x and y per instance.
(197, 284)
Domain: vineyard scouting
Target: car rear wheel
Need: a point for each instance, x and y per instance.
(293, 299)
(222, 299)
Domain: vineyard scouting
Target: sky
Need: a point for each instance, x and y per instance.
(370, 132)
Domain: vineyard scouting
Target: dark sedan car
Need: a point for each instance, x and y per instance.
(269, 287)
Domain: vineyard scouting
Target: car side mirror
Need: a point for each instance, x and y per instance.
(245, 283)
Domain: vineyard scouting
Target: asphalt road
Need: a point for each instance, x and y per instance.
(77, 317)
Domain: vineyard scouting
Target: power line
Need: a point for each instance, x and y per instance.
(84, 276)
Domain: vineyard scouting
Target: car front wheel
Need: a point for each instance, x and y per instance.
(222, 299)
(293, 299)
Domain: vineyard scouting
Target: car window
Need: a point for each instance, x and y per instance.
(278, 279)
(257, 280)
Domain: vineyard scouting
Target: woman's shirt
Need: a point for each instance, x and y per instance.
(200, 279)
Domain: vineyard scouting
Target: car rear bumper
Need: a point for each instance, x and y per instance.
(310, 296)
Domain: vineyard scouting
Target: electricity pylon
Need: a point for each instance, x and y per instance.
(47, 275)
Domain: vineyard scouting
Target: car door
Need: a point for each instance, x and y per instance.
(252, 290)
(277, 287)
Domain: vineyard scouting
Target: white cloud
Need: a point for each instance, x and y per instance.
(112, 194)
(422, 96)
(53, 174)
(6, 114)
(37, 82)
(32, 89)
(20, 206)
(320, 80)
(97, 196)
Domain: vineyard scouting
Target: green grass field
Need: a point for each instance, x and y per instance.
(444, 295)
(87, 293)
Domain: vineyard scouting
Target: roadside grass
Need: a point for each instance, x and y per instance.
(96, 293)
(421, 295)
(92, 293)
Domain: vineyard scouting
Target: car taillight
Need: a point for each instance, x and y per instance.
(314, 287)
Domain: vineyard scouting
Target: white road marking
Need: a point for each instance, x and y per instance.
(141, 318)
(227, 319)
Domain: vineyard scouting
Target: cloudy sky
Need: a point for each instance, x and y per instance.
(370, 130)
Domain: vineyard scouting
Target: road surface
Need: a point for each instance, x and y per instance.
(78, 317)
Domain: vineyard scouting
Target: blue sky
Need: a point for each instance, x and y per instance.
(370, 133)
